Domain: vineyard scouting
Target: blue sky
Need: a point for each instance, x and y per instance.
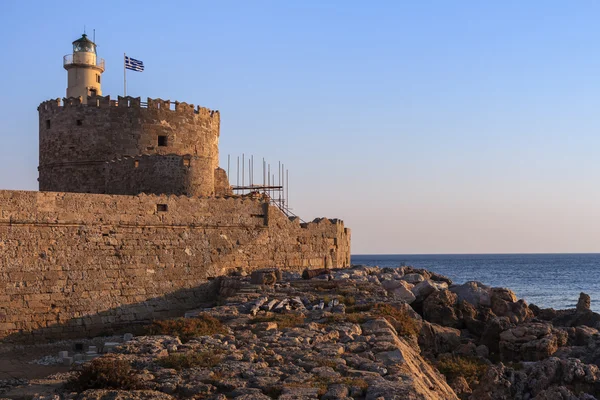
(428, 126)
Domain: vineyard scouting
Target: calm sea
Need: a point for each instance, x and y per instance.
(547, 280)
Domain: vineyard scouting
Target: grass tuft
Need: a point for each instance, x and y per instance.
(105, 373)
(187, 328)
(470, 368)
(180, 361)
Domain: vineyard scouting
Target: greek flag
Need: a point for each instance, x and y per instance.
(133, 64)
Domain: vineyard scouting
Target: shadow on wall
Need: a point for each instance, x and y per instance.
(105, 323)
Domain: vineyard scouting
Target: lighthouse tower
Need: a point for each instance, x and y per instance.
(84, 69)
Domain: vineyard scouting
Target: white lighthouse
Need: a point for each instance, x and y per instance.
(84, 69)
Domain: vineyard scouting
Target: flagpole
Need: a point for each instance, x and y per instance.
(124, 77)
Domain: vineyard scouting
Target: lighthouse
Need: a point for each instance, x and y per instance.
(84, 70)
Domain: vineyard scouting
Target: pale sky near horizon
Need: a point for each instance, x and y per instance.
(427, 126)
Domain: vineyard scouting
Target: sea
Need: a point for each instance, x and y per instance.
(546, 280)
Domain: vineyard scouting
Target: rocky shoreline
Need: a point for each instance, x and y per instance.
(359, 333)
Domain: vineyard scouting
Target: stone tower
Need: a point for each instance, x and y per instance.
(84, 70)
(92, 144)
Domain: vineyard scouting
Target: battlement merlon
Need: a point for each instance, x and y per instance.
(128, 102)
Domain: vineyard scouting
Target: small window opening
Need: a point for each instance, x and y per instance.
(162, 208)
(79, 122)
(186, 162)
(97, 78)
(93, 92)
(136, 163)
(162, 141)
(47, 124)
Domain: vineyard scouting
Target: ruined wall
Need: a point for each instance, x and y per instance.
(77, 263)
(76, 140)
(222, 186)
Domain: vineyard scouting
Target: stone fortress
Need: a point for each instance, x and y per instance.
(134, 216)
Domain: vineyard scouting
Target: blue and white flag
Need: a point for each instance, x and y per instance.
(133, 64)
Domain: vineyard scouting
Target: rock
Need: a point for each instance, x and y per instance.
(283, 304)
(268, 306)
(460, 386)
(491, 334)
(557, 393)
(436, 339)
(102, 394)
(584, 302)
(257, 305)
(418, 379)
(482, 351)
(335, 392)
(585, 336)
(500, 383)
(501, 300)
(265, 277)
(422, 387)
(413, 278)
(440, 308)
(265, 326)
(319, 306)
(254, 396)
(313, 273)
(546, 377)
(400, 290)
(425, 288)
(576, 318)
(473, 292)
(530, 342)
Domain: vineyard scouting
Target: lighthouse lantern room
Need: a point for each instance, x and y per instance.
(84, 70)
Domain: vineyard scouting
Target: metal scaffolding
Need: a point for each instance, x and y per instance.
(274, 186)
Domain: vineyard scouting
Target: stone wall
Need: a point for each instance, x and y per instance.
(76, 140)
(72, 264)
(160, 174)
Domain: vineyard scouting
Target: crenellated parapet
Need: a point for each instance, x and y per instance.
(128, 102)
(76, 138)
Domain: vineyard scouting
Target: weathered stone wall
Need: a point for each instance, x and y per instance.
(76, 140)
(222, 186)
(159, 174)
(78, 263)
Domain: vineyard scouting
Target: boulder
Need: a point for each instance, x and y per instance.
(501, 299)
(399, 289)
(425, 288)
(473, 292)
(436, 339)
(265, 277)
(413, 278)
(490, 337)
(531, 342)
(576, 318)
(559, 393)
(313, 273)
(500, 383)
(584, 303)
(440, 308)
(550, 374)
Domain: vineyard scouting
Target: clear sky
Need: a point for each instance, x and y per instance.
(427, 126)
